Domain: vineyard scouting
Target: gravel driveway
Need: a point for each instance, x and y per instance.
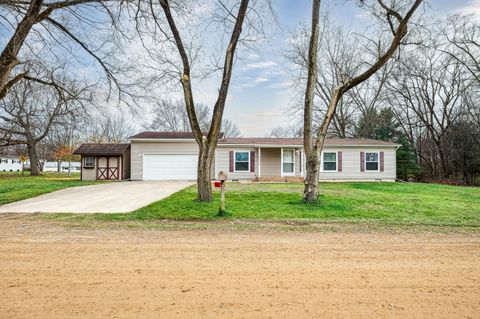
(115, 197)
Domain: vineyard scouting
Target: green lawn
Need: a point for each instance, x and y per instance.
(15, 186)
(393, 203)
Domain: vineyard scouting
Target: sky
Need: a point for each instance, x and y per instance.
(260, 94)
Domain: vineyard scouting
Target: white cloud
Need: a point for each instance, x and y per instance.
(281, 85)
(260, 79)
(258, 123)
(261, 65)
(471, 7)
(260, 115)
(253, 56)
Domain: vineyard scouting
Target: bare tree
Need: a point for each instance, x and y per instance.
(462, 34)
(336, 56)
(30, 110)
(230, 129)
(428, 91)
(171, 116)
(289, 131)
(179, 65)
(397, 23)
(168, 115)
(40, 32)
(106, 126)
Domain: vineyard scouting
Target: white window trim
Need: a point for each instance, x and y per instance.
(378, 166)
(336, 162)
(281, 162)
(85, 162)
(235, 160)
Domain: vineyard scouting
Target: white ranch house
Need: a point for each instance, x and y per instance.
(173, 156)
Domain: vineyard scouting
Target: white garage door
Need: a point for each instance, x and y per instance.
(169, 167)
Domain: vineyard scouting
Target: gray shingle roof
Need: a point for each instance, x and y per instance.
(263, 140)
(172, 135)
(299, 141)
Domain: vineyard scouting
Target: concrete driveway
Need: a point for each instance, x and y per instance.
(115, 197)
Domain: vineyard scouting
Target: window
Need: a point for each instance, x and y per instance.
(88, 162)
(371, 161)
(242, 161)
(288, 162)
(330, 161)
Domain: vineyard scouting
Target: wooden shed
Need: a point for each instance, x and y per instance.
(104, 161)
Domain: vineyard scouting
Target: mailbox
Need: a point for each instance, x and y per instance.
(222, 176)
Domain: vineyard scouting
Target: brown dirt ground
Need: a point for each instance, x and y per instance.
(52, 271)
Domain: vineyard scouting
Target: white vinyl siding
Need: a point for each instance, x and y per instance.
(222, 162)
(271, 158)
(351, 164)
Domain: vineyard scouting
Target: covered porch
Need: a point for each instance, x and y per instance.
(280, 163)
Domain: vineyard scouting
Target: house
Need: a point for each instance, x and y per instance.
(173, 156)
(10, 164)
(104, 161)
(166, 155)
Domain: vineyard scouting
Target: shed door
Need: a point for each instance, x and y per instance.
(169, 167)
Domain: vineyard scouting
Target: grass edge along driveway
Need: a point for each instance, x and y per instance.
(15, 186)
(391, 203)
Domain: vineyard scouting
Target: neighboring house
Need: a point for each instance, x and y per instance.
(10, 164)
(104, 161)
(53, 167)
(173, 156)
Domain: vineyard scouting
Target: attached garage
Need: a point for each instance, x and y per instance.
(169, 167)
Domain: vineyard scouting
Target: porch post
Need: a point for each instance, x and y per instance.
(281, 162)
(259, 162)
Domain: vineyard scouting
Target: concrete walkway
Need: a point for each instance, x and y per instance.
(115, 197)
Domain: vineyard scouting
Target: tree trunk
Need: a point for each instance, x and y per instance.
(59, 166)
(204, 170)
(310, 193)
(207, 144)
(8, 58)
(313, 150)
(32, 154)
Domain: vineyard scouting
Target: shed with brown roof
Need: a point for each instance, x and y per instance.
(104, 161)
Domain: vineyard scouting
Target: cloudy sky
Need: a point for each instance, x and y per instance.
(260, 93)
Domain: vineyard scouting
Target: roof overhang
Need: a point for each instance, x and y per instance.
(167, 140)
(301, 146)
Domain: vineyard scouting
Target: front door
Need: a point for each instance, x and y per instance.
(288, 163)
(108, 168)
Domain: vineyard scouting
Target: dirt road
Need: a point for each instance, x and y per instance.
(48, 271)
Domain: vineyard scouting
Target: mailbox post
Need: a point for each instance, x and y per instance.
(222, 177)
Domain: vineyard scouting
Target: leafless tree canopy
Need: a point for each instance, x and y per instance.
(30, 110)
(172, 116)
(107, 126)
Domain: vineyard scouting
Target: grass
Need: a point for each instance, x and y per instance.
(15, 186)
(390, 203)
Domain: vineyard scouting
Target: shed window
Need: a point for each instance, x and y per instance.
(330, 161)
(88, 162)
(242, 161)
(371, 162)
